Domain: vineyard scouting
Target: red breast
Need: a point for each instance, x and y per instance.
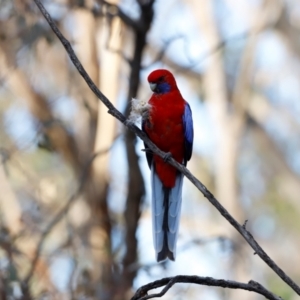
(165, 129)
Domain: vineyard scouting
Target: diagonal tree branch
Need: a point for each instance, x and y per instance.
(117, 114)
(251, 286)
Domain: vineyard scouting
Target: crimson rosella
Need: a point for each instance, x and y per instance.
(169, 125)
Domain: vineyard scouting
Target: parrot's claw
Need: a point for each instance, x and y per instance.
(147, 150)
(167, 156)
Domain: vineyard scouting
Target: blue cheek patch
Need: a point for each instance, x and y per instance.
(163, 88)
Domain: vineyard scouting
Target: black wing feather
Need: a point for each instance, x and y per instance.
(188, 133)
(149, 155)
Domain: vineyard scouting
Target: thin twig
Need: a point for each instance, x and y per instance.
(115, 10)
(163, 50)
(114, 112)
(221, 45)
(62, 212)
(252, 286)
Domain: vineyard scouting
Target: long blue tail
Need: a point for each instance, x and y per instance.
(166, 207)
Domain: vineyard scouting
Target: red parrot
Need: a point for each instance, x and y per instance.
(169, 125)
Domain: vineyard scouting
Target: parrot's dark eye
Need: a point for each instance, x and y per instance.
(161, 78)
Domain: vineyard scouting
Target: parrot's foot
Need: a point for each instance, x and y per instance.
(147, 150)
(167, 156)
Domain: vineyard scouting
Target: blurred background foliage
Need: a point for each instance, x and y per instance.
(75, 219)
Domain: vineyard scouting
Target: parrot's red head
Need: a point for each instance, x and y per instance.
(162, 81)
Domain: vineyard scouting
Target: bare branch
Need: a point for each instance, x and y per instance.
(115, 10)
(114, 112)
(62, 212)
(221, 45)
(252, 286)
(163, 50)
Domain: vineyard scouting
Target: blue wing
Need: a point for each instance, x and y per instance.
(188, 131)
